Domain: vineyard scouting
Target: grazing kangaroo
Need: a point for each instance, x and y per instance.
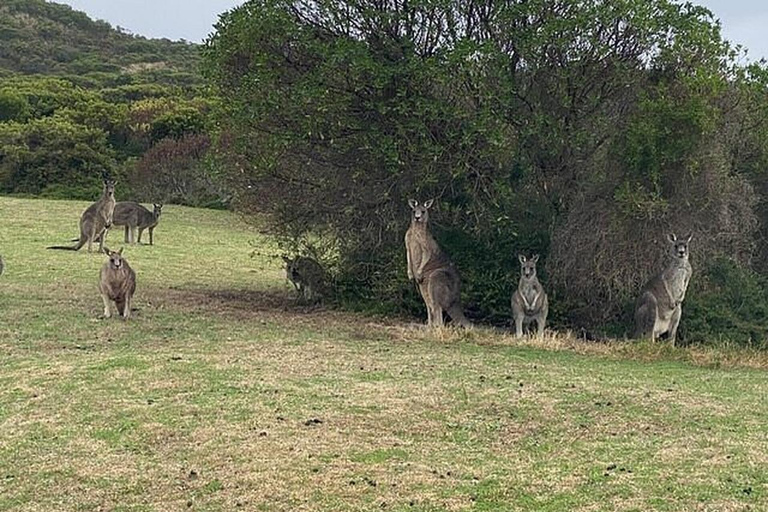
(307, 276)
(435, 275)
(660, 304)
(117, 283)
(135, 217)
(95, 220)
(529, 302)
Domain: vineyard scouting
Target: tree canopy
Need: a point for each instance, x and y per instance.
(581, 130)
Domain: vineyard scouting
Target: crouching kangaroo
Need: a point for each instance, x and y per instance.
(307, 276)
(117, 284)
(529, 302)
(95, 220)
(435, 275)
(136, 217)
(660, 305)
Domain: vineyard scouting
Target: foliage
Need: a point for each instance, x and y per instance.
(57, 138)
(580, 130)
(730, 303)
(52, 151)
(174, 171)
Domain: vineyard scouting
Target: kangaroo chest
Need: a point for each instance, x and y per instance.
(116, 283)
(531, 295)
(676, 282)
(421, 245)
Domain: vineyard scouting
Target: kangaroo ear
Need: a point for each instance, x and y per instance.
(413, 203)
(672, 238)
(522, 258)
(428, 204)
(120, 252)
(535, 258)
(106, 250)
(286, 259)
(689, 237)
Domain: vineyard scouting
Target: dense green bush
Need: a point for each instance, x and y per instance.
(584, 131)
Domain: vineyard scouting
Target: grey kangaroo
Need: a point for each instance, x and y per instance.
(307, 276)
(660, 304)
(117, 283)
(435, 275)
(95, 220)
(135, 217)
(529, 302)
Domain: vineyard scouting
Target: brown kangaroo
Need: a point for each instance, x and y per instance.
(117, 283)
(436, 276)
(136, 217)
(660, 305)
(529, 302)
(95, 220)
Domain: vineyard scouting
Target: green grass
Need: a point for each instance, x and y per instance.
(221, 394)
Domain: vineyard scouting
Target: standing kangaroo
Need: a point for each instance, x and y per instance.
(95, 220)
(437, 278)
(660, 304)
(117, 283)
(135, 217)
(529, 302)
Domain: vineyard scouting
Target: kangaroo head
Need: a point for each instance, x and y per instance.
(528, 266)
(679, 245)
(420, 212)
(157, 209)
(115, 258)
(292, 268)
(109, 187)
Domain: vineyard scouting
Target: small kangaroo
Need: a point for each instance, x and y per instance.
(529, 302)
(435, 275)
(307, 276)
(95, 220)
(117, 283)
(136, 217)
(660, 305)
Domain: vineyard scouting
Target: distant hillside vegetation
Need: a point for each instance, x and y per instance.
(39, 37)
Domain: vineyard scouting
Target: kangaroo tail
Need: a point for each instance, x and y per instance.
(81, 242)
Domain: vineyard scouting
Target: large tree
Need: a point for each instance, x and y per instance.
(529, 120)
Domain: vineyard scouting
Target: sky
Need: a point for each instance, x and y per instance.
(744, 21)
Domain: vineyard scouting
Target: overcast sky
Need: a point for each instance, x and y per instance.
(744, 21)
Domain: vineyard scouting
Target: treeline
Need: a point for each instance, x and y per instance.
(57, 139)
(40, 37)
(79, 98)
(580, 130)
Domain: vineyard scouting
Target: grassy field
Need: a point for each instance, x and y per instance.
(221, 394)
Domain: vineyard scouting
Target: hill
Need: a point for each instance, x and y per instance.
(45, 38)
(222, 394)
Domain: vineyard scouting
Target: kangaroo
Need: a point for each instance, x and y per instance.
(136, 217)
(95, 220)
(117, 283)
(660, 304)
(437, 279)
(529, 302)
(307, 276)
